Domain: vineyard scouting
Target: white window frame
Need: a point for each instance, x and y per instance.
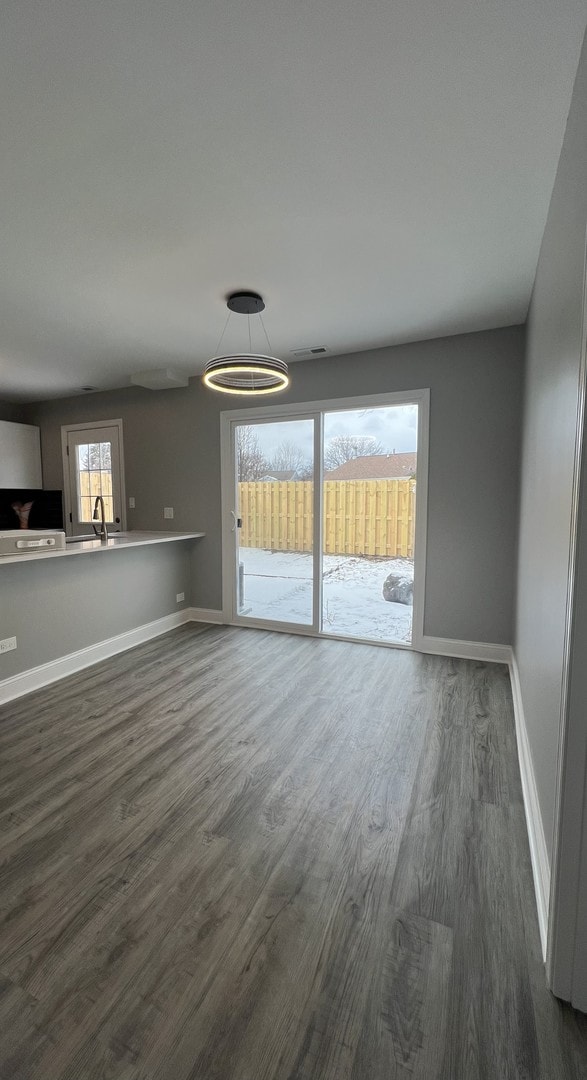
(90, 425)
(315, 409)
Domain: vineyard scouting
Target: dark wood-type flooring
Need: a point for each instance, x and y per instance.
(239, 855)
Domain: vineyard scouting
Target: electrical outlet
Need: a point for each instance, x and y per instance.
(167, 511)
(8, 644)
(179, 597)
(131, 502)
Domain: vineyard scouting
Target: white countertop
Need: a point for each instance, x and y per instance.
(117, 540)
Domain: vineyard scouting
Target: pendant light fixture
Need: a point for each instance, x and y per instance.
(246, 373)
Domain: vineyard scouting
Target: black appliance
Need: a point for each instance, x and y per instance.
(46, 511)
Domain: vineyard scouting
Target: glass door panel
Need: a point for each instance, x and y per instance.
(274, 519)
(94, 467)
(369, 501)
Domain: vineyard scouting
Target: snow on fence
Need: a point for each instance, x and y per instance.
(361, 517)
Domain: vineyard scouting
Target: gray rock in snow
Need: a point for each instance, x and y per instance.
(399, 589)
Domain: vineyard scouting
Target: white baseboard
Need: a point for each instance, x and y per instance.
(536, 838)
(36, 677)
(465, 650)
(503, 654)
(202, 614)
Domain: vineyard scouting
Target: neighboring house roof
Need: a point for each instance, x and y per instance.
(375, 467)
(281, 474)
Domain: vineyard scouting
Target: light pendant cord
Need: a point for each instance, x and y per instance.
(223, 333)
(265, 332)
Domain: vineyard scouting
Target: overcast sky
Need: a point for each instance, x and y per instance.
(394, 426)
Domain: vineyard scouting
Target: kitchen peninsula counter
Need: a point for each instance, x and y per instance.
(60, 613)
(123, 540)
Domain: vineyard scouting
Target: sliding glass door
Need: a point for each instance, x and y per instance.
(369, 520)
(274, 521)
(321, 530)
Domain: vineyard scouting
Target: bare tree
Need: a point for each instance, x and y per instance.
(341, 448)
(95, 456)
(288, 457)
(250, 460)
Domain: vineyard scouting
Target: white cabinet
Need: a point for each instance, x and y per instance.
(20, 456)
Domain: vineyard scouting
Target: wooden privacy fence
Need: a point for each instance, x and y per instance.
(361, 517)
(94, 482)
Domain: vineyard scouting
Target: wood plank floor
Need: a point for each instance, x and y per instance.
(238, 855)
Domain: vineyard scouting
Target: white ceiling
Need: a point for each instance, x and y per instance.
(379, 171)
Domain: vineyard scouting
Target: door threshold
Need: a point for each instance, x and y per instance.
(302, 631)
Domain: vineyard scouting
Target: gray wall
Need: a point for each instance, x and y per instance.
(56, 606)
(569, 969)
(13, 413)
(172, 451)
(550, 426)
(552, 444)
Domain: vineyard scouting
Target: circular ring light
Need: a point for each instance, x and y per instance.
(246, 373)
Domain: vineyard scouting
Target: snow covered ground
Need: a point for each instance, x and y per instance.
(278, 585)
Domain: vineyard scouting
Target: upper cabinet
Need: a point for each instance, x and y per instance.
(20, 456)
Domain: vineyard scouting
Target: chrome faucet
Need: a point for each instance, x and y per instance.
(103, 529)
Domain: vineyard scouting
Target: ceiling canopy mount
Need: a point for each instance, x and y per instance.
(245, 303)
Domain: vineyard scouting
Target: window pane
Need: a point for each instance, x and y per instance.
(369, 498)
(83, 456)
(85, 508)
(94, 477)
(275, 566)
(105, 455)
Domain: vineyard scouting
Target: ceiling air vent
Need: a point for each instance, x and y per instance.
(315, 351)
